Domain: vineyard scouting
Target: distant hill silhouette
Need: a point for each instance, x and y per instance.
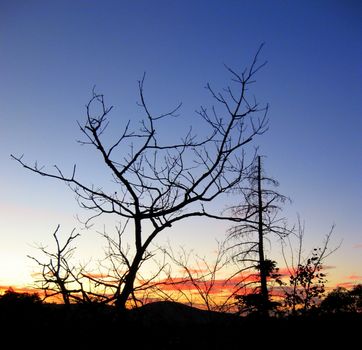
(173, 312)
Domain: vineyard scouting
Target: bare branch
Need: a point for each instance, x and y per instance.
(159, 183)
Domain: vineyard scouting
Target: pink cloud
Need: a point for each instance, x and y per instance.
(358, 246)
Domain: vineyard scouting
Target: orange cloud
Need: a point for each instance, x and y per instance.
(100, 276)
(355, 277)
(177, 283)
(195, 272)
(347, 285)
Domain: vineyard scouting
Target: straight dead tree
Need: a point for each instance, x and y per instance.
(159, 184)
(261, 204)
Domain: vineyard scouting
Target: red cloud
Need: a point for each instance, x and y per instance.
(216, 286)
(285, 272)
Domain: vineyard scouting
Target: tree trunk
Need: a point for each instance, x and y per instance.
(128, 284)
(262, 267)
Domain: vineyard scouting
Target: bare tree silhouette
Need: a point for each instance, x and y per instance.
(200, 281)
(160, 184)
(57, 276)
(85, 284)
(261, 203)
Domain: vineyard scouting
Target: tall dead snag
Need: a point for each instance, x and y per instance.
(159, 184)
(261, 204)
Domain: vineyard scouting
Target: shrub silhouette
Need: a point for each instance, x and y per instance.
(342, 300)
(19, 308)
(14, 298)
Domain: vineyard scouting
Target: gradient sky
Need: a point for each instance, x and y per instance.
(53, 52)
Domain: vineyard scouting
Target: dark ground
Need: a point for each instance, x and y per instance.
(167, 325)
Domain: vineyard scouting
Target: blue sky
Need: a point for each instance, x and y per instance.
(53, 52)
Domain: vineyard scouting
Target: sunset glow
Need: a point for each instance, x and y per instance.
(146, 58)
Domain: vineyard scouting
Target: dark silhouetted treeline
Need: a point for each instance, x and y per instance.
(170, 325)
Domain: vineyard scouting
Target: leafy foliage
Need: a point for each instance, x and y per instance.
(18, 308)
(10, 297)
(307, 283)
(343, 300)
(253, 303)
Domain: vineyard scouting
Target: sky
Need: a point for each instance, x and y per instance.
(52, 53)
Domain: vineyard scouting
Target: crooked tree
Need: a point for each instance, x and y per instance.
(159, 184)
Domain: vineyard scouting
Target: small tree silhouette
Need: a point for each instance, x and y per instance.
(307, 282)
(200, 281)
(307, 279)
(77, 283)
